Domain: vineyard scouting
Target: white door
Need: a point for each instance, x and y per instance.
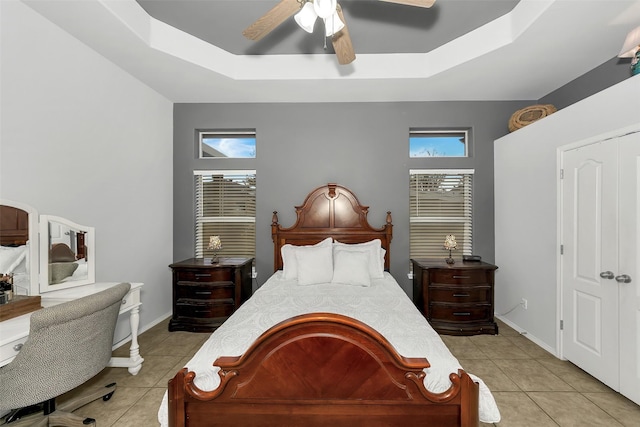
(629, 217)
(590, 336)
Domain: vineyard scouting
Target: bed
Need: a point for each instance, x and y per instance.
(327, 349)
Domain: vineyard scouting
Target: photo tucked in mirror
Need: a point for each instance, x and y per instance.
(68, 251)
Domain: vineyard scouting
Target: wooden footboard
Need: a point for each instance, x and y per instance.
(322, 369)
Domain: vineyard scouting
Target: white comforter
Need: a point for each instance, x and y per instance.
(384, 306)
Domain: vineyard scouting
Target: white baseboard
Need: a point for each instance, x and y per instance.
(527, 335)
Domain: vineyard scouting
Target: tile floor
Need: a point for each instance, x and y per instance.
(531, 387)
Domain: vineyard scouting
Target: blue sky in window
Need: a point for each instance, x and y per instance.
(436, 146)
(232, 147)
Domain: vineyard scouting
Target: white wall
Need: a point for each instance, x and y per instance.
(526, 204)
(82, 139)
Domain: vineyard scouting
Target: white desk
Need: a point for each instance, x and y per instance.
(14, 332)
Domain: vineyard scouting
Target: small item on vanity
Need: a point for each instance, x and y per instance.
(6, 285)
(471, 258)
(3, 298)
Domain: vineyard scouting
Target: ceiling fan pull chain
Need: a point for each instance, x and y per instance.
(324, 20)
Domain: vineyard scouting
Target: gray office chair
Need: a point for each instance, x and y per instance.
(68, 344)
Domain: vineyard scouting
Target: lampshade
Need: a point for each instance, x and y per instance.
(324, 8)
(333, 24)
(450, 242)
(214, 243)
(306, 18)
(630, 46)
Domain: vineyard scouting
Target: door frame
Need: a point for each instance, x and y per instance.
(560, 154)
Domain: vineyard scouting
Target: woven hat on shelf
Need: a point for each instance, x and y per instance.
(530, 114)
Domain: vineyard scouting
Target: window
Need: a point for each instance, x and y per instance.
(440, 204)
(228, 144)
(226, 207)
(427, 143)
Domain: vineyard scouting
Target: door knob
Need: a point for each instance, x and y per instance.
(623, 278)
(607, 275)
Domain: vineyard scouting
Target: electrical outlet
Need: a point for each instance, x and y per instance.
(524, 303)
(254, 273)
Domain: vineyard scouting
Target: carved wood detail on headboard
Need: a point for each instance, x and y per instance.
(330, 211)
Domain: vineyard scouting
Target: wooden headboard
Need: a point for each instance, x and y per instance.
(14, 226)
(330, 211)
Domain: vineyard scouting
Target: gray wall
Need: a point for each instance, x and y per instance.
(361, 146)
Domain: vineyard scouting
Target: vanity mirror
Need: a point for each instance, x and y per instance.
(63, 256)
(67, 253)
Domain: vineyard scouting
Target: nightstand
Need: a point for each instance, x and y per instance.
(456, 299)
(206, 294)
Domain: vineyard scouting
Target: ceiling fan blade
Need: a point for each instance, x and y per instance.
(342, 42)
(418, 3)
(272, 19)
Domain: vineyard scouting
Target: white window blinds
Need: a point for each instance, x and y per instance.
(440, 204)
(226, 207)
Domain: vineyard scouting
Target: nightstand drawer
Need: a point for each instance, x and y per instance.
(481, 294)
(205, 275)
(458, 276)
(461, 313)
(208, 291)
(204, 309)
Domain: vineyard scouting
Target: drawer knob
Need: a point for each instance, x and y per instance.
(203, 275)
(18, 347)
(460, 295)
(462, 314)
(203, 292)
(460, 277)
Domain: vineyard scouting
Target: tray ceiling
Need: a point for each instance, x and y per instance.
(194, 51)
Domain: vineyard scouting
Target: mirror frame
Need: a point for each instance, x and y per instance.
(32, 244)
(45, 286)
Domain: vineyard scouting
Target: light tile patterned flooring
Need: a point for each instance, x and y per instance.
(531, 386)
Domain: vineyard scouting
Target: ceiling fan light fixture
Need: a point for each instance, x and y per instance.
(333, 24)
(306, 18)
(325, 8)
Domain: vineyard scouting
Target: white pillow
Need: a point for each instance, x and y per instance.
(351, 267)
(315, 265)
(376, 256)
(10, 258)
(289, 263)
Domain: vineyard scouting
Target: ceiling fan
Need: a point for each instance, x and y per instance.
(306, 14)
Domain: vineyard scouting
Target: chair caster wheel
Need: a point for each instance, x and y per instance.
(108, 396)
